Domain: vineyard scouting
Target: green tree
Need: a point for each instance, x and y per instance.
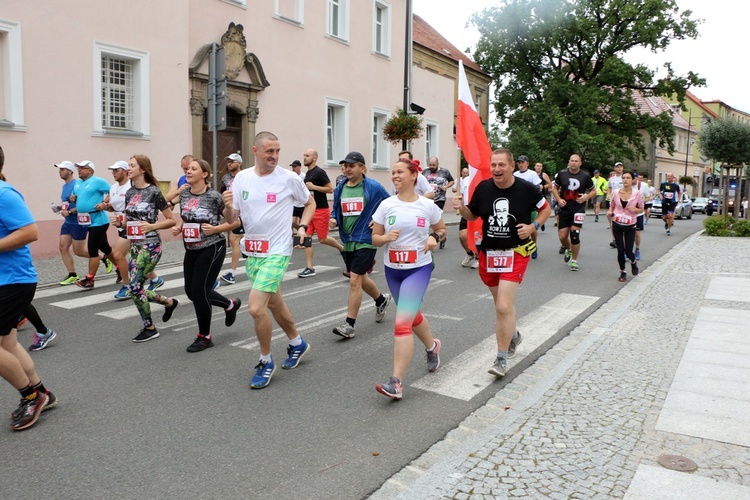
(561, 81)
(726, 141)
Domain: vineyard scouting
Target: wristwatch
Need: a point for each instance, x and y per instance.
(303, 225)
(536, 225)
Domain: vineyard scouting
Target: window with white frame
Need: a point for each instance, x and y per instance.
(290, 10)
(379, 144)
(11, 76)
(381, 31)
(337, 130)
(121, 91)
(430, 140)
(338, 19)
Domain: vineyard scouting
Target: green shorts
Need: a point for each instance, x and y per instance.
(266, 273)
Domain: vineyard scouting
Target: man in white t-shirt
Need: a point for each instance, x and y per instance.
(615, 183)
(298, 209)
(524, 173)
(423, 187)
(641, 185)
(263, 197)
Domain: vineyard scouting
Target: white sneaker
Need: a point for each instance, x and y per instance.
(475, 263)
(467, 260)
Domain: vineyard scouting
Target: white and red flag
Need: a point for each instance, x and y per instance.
(472, 139)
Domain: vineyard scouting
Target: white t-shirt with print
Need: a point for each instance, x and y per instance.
(117, 196)
(413, 220)
(645, 191)
(266, 204)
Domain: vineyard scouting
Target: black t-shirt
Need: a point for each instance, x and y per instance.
(570, 186)
(670, 193)
(501, 209)
(319, 178)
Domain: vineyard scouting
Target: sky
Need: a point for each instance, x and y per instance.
(718, 54)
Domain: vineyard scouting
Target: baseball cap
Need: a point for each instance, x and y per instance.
(523, 158)
(618, 163)
(635, 174)
(353, 157)
(596, 171)
(295, 163)
(119, 164)
(235, 157)
(86, 163)
(68, 165)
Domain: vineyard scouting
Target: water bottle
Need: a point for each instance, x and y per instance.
(53, 205)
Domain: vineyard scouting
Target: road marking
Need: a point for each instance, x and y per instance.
(443, 316)
(466, 375)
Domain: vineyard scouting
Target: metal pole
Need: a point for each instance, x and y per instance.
(407, 61)
(687, 155)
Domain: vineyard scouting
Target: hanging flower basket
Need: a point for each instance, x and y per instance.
(402, 127)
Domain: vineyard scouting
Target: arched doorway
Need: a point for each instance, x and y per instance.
(228, 141)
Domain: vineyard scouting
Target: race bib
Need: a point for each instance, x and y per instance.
(579, 218)
(255, 245)
(84, 219)
(402, 256)
(669, 196)
(625, 220)
(352, 206)
(191, 232)
(500, 261)
(135, 233)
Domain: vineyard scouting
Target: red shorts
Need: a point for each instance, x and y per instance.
(319, 223)
(493, 279)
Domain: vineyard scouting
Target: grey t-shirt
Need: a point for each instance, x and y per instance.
(144, 205)
(203, 208)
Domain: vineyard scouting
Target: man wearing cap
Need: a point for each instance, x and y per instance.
(71, 233)
(234, 165)
(121, 249)
(600, 183)
(263, 197)
(319, 184)
(354, 202)
(531, 176)
(298, 209)
(615, 183)
(441, 181)
(90, 194)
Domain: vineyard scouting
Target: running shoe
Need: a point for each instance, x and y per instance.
(346, 330)
(122, 294)
(573, 265)
(263, 374)
(51, 403)
(28, 412)
(499, 368)
(394, 389)
(168, 310)
(118, 280)
(666, 226)
(467, 260)
(561, 251)
(669, 233)
(146, 335)
(475, 263)
(306, 273)
(347, 274)
(21, 321)
(442, 244)
(201, 343)
(637, 255)
(596, 218)
(380, 310)
(227, 278)
(294, 355)
(568, 255)
(41, 340)
(154, 284)
(634, 269)
(623, 277)
(612, 244)
(542, 227)
(86, 283)
(231, 315)
(108, 265)
(69, 280)
(433, 357)
(534, 254)
(217, 284)
(517, 339)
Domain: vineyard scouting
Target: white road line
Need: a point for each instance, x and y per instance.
(466, 375)
(443, 316)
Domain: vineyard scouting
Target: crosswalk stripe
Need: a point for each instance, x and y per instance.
(466, 375)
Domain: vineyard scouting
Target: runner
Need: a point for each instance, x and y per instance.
(613, 184)
(423, 187)
(572, 188)
(263, 197)
(470, 260)
(624, 211)
(440, 180)
(504, 203)
(601, 185)
(234, 166)
(143, 202)
(201, 209)
(354, 202)
(546, 183)
(524, 173)
(71, 233)
(669, 192)
(640, 184)
(410, 226)
(17, 287)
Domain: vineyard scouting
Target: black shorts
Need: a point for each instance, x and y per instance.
(359, 261)
(667, 208)
(98, 241)
(122, 233)
(15, 299)
(567, 218)
(639, 223)
(297, 212)
(239, 230)
(463, 224)
(440, 204)
(646, 206)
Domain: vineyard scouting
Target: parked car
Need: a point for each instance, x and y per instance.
(684, 208)
(700, 204)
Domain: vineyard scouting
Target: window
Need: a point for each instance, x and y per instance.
(11, 76)
(430, 140)
(290, 10)
(381, 30)
(337, 130)
(338, 19)
(379, 144)
(121, 91)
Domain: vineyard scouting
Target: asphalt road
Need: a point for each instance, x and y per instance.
(152, 421)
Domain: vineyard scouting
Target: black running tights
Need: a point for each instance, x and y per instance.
(201, 269)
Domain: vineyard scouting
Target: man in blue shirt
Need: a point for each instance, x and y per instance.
(71, 233)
